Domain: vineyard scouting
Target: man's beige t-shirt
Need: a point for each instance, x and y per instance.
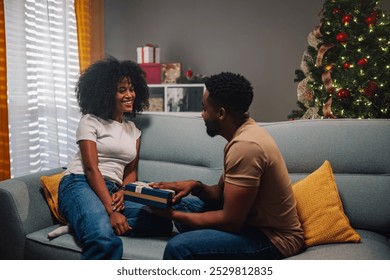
(253, 160)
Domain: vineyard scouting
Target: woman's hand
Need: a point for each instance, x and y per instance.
(119, 223)
(118, 201)
(181, 188)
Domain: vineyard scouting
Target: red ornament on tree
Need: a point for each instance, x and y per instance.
(343, 94)
(362, 62)
(346, 19)
(342, 37)
(346, 65)
(370, 20)
(376, 13)
(336, 11)
(370, 89)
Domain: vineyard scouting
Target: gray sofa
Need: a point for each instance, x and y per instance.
(175, 148)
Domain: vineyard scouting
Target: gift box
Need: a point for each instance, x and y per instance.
(141, 192)
(152, 72)
(148, 54)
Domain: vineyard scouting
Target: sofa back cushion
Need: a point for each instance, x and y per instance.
(359, 153)
(178, 148)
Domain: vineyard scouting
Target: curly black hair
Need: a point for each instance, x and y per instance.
(232, 91)
(97, 86)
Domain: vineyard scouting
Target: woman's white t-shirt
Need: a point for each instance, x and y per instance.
(115, 143)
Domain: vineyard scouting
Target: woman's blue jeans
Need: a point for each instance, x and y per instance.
(250, 243)
(90, 223)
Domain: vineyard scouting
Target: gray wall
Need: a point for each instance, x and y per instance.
(262, 40)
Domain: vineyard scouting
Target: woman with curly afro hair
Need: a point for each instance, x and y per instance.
(91, 198)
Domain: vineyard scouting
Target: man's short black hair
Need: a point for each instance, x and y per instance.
(97, 87)
(231, 91)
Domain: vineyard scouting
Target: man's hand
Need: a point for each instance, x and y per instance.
(181, 188)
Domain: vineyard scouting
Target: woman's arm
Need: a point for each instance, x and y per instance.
(96, 181)
(95, 178)
(130, 174)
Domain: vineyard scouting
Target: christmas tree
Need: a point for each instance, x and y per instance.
(345, 71)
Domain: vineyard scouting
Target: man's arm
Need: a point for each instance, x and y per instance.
(209, 193)
(197, 188)
(237, 202)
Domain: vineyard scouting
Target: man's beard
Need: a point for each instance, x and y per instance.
(212, 128)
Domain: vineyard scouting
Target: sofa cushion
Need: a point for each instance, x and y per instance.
(374, 246)
(320, 209)
(64, 247)
(39, 246)
(50, 186)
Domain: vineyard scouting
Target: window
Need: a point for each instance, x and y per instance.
(42, 70)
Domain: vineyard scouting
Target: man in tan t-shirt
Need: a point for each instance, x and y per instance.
(250, 213)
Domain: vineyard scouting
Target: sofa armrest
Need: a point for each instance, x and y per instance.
(23, 209)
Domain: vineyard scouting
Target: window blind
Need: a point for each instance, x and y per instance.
(42, 70)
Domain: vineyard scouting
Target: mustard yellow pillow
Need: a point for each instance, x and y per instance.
(50, 188)
(320, 209)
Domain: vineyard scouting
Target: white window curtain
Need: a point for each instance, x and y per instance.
(42, 70)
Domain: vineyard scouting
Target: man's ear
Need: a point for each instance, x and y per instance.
(222, 113)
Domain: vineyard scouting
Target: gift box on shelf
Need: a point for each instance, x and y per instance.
(141, 192)
(152, 72)
(148, 54)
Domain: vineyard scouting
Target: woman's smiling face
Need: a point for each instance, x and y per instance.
(124, 99)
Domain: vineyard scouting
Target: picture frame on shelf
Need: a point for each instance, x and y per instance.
(176, 99)
(170, 72)
(184, 99)
(156, 99)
